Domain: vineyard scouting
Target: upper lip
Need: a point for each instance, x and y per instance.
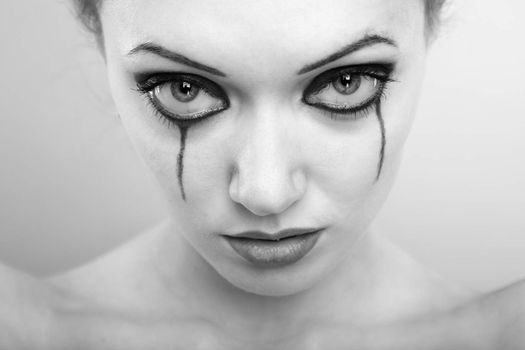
(287, 233)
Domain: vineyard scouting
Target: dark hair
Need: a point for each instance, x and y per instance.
(87, 11)
(433, 9)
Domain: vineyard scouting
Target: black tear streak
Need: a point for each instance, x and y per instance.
(383, 139)
(180, 158)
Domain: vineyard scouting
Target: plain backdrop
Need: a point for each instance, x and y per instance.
(71, 187)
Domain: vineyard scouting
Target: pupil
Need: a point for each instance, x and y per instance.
(346, 80)
(185, 88)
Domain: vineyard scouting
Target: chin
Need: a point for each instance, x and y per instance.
(271, 287)
(274, 282)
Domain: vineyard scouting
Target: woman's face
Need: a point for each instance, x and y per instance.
(266, 116)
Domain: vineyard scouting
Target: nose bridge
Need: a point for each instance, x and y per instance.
(266, 178)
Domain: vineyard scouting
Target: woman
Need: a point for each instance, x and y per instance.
(275, 130)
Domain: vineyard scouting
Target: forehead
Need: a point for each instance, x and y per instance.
(253, 30)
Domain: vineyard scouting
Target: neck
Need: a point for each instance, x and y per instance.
(352, 293)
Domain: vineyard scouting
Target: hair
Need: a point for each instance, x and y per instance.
(433, 15)
(87, 12)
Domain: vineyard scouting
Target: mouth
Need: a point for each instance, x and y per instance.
(274, 249)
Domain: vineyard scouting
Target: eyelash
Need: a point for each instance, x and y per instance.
(146, 84)
(360, 112)
(381, 72)
(164, 120)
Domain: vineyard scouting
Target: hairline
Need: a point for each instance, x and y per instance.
(88, 13)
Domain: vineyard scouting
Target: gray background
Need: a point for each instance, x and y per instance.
(72, 188)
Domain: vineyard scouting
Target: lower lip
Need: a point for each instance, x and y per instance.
(266, 253)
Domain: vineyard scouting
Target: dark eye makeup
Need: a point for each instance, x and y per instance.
(185, 99)
(349, 92)
(182, 98)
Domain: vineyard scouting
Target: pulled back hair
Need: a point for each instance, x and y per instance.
(433, 9)
(87, 12)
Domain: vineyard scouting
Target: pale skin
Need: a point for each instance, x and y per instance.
(267, 162)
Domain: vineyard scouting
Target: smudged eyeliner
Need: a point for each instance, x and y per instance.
(146, 85)
(381, 121)
(380, 71)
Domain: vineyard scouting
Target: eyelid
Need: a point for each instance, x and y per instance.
(381, 71)
(147, 82)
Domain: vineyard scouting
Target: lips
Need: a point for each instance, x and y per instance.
(274, 236)
(274, 249)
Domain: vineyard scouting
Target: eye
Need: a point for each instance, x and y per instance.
(184, 97)
(348, 90)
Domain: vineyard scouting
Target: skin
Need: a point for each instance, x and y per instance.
(246, 170)
(268, 162)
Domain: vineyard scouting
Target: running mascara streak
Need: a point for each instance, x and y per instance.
(183, 100)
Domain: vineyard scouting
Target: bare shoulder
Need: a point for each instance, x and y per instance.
(24, 310)
(110, 278)
(505, 310)
(491, 321)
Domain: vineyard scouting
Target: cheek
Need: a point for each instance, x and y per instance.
(157, 142)
(342, 166)
(160, 156)
(350, 155)
(207, 164)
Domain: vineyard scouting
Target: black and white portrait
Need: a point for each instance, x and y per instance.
(264, 175)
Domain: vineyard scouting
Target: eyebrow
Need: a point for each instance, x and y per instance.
(173, 56)
(366, 41)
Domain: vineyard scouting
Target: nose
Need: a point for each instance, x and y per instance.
(266, 178)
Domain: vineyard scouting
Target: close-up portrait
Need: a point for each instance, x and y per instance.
(262, 175)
